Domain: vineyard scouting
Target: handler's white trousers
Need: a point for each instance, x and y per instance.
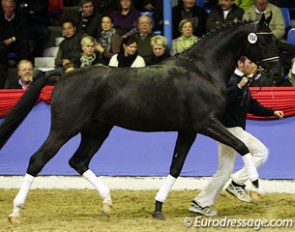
(227, 157)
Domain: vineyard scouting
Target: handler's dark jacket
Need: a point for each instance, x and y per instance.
(239, 103)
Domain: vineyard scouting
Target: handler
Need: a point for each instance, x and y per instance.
(240, 102)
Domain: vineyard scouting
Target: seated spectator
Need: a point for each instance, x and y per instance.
(277, 24)
(70, 48)
(244, 4)
(87, 20)
(89, 54)
(189, 10)
(126, 17)
(109, 41)
(161, 52)
(36, 13)
(127, 57)
(225, 11)
(25, 76)
(14, 43)
(186, 40)
(143, 37)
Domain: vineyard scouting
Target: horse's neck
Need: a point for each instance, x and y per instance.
(221, 50)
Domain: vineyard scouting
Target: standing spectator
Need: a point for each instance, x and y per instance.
(87, 20)
(36, 12)
(109, 41)
(225, 11)
(188, 9)
(143, 37)
(13, 38)
(127, 57)
(25, 75)
(276, 25)
(70, 48)
(126, 17)
(187, 38)
(161, 52)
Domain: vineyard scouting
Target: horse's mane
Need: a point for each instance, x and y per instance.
(218, 28)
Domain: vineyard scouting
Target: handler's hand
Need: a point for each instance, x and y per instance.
(243, 82)
(279, 114)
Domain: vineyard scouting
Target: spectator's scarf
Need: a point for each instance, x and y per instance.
(105, 39)
(87, 61)
(125, 61)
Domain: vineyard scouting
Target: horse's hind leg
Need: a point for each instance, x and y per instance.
(217, 131)
(91, 140)
(37, 162)
(183, 144)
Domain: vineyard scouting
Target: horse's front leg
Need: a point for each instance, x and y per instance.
(183, 144)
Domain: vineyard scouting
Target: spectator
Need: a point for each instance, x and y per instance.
(89, 55)
(126, 17)
(143, 37)
(36, 12)
(70, 48)
(244, 4)
(87, 20)
(188, 9)
(161, 52)
(276, 25)
(225, 11)
(186, 40)
(13, 38)
(127, 57)
(25, 75)
(109, 41)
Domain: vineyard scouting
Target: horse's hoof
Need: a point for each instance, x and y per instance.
(13, 219)
(158, 215)
(107, 209)
(255, 196)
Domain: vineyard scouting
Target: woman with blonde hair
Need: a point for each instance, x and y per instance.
(161, 52)
(186, 40)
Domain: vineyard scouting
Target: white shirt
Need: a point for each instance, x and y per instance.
(137, 63)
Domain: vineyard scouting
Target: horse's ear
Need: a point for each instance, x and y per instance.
(268, 19)
(261, 21)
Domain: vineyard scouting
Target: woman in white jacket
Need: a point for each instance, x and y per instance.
(127, 57)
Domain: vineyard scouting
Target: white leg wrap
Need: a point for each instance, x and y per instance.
(20, 198)
(103, 190)
(165, 189)
(250, 167)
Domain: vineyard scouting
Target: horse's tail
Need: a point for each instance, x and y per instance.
(19, 112)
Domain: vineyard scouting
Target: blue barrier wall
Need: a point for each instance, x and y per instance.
(129, 153)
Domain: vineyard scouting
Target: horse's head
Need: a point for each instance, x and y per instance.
(262, 49)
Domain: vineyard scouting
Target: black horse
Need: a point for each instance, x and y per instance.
(186, 93)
